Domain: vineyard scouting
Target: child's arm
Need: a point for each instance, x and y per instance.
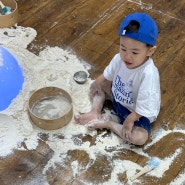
(129, 123)
(96, 86)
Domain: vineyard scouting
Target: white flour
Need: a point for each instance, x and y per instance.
(8, 133)
(51, 107)
(55, 67)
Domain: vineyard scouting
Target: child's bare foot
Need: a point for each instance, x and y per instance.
(83, 119)
(99, 123)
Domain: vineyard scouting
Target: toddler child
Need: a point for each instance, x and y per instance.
(132, 82)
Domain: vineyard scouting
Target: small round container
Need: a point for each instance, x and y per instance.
(41, 104)
(11, 19)
(80, 77)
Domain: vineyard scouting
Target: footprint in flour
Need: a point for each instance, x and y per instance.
(52, 77)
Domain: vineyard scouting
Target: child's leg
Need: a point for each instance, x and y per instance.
(138, 135)
(95, 113)
(97, 104)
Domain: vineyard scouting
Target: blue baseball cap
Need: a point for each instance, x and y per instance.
(147, 32)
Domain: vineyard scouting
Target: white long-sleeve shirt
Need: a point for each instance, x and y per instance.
(136, 89)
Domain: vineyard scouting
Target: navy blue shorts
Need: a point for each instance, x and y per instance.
(123, 112)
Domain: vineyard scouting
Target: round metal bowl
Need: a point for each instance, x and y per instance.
(80, 77)
(47, 108)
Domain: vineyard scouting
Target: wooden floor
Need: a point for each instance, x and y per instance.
(90, 28)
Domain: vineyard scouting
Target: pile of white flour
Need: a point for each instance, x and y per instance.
(56, 67)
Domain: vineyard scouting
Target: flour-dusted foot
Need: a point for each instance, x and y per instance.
(83, 119)
(99, 123)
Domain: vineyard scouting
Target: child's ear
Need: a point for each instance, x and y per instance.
(152, 50)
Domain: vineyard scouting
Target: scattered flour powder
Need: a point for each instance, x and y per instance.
(55, 67)
(51, 107)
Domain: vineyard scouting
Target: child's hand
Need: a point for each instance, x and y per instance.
(127, 128)
(128, 124)
(95, 88)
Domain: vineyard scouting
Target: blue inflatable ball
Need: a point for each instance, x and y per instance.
(11, 78)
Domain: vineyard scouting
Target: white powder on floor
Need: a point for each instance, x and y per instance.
(51, 107)
(8, 133)
(56, 67)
